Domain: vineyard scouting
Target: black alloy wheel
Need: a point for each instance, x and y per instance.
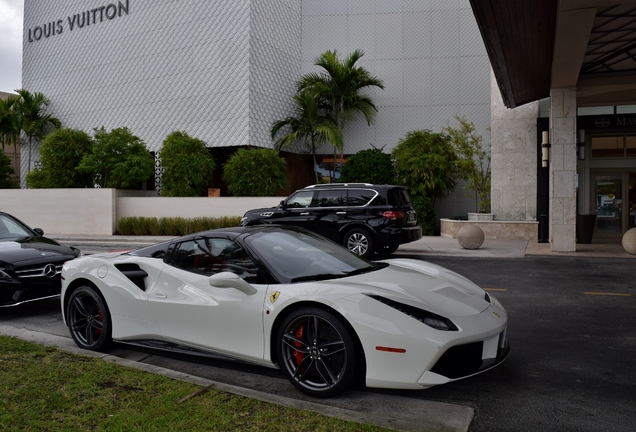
(89, 319)
(316, 352)
(358, 241)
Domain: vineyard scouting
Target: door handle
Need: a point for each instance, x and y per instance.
(161, 294)
(304, 214)
(341, 213)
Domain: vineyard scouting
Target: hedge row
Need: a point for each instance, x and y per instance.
(172, 226)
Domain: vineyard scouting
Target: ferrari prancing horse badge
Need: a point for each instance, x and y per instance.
(274, 296)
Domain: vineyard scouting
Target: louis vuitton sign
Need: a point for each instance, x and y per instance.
(79, 20)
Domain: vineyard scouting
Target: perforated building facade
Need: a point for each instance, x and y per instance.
(224, 70)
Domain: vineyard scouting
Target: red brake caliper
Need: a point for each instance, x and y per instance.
(300, 334)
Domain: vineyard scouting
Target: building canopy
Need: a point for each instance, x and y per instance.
(538, 45)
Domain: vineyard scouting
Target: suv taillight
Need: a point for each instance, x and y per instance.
(393, 215)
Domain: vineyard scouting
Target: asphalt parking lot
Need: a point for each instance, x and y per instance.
(571, 366)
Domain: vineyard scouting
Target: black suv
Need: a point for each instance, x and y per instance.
(362, 217)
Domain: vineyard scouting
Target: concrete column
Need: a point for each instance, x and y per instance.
(513, 152)
(563, 170)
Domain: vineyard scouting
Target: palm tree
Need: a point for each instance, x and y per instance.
(339, 87)
(31, 116)
(308, 125)
(10, 127)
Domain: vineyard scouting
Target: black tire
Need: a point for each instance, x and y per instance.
(358, 241)
(316, 352)
(88, 319)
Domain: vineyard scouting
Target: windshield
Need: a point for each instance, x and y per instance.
(12, 229)
(293, 256)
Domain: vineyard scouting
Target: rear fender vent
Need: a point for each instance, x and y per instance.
(134, 273)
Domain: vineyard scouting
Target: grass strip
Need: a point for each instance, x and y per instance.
(47, 389)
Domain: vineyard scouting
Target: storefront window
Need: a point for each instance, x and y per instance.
(630, 146)
(606, 147)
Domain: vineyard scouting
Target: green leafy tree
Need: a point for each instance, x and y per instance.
(118, 159)
(473, 161)
(425, 162)
(61, 153)
(255, 172)
(308, 125)
(6, 171)
(188, 166)
(340, 86)
(10, 126)
(369, 166)
(32, 116)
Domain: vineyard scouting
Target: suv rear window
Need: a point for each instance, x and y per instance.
(398, 197)
(359, 197)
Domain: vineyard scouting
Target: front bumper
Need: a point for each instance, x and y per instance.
(462, 361)
(16, 294)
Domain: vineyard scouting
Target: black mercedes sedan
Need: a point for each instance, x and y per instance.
(30, 264)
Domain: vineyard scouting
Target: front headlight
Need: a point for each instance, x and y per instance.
(3, 275)
(431, 319)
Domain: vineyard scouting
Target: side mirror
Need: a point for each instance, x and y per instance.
(39, 231)
(282, 205)
(231, 280)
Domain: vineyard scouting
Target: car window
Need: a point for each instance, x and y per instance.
(208, 256)
(360, 197)
(295, 256)
(300, 199)
(329, 198)
(398, 197)
(10, 228)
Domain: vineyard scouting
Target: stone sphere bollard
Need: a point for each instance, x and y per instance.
(470, 237)
(629, 241)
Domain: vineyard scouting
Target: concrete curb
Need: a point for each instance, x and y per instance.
(402, 414)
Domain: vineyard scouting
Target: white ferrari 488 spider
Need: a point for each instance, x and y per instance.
(285, 297)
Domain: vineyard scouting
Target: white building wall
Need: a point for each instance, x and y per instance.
(431, 57)
(275, 31)
(208, 68)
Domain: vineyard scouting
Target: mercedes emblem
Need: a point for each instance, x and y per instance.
(50, 271)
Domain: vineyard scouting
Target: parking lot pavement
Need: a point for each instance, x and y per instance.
(395, 412)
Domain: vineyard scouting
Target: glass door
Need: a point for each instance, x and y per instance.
(631, 222)
(608, 198)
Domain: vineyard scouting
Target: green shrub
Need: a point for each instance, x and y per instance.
(172, 226)
(61, 153)
(118, 159)
(6, 171)
(425, 162)
(155, 227)
(425, 214)
(368, 166)
(255, 172)
(188, 166)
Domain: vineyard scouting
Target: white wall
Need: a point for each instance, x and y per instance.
(95, 211)
(63, 211)
(191, 207)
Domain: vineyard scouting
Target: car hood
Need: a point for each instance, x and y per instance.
(423, 285)
(20, 251)
(258, 211)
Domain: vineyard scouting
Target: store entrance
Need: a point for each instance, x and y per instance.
(614, 202)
